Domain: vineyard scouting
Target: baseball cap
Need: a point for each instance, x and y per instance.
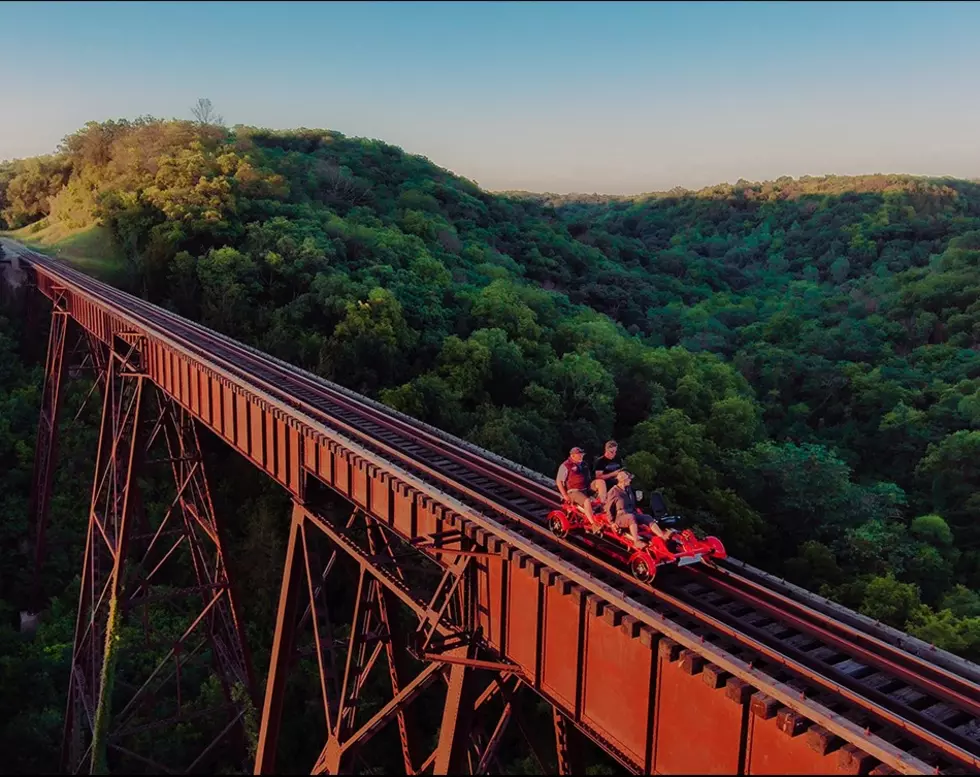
(576, 449)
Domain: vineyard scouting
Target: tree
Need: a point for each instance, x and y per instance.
(963, 602)
(890, 601)
(28, 192)
(932, 529)
(814, 567)
(229, 285)
(947, 630)
(804, 489)
(205, 114)
(369, 348)
(951, 471)
(586, 392)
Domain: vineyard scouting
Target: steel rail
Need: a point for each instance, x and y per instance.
(589, 584)
(909, 720)
(448, 446)
(827, 609)
(908, 667)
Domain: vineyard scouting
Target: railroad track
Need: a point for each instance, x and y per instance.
(924, 709)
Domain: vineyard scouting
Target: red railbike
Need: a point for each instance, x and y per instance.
(680, 549)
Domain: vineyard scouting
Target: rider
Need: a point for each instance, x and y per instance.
(605, 468)
(573, 482)
(621, 506)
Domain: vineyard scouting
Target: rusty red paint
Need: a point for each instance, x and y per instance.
(617, 679)
(521, 619)
(777, 744)
(685, 702)
(46, 449)
(561, 670)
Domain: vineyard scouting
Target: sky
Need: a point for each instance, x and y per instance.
(616, 98)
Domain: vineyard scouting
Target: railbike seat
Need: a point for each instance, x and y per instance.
(658, 505)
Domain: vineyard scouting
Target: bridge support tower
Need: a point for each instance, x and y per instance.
(162, 569)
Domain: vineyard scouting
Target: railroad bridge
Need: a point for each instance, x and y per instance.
(463, 594)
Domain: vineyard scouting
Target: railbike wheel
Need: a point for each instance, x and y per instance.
(558, 528)
(642, 569)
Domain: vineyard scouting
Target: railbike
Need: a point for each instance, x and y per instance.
(680, 549)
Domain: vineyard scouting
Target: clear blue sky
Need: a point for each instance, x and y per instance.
(608, 97)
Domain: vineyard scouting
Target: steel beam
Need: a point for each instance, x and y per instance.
(46, 449)
(94, 653)
(566, 748)
(375, 633)
(396, 650)
(457, 717)
(118, 575)
(282, 648)
(215, 622)
(489, 750)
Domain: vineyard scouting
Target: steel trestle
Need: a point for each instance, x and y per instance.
(128, 571)
(449, 578)
(386, 590)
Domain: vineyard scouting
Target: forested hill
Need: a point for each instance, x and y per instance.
(794, 363)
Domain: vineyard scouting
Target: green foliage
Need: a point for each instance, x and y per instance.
(27, 188)
(963, 602)
(951, 468)
(890, 601)
(947, 630)
(932, 529)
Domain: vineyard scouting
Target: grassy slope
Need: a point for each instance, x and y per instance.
(90, 248)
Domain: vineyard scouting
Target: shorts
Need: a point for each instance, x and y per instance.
(623, 520)
(579, 498)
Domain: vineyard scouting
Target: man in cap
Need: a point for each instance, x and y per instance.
(573, 482)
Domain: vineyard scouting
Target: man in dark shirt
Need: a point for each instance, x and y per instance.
(605, 469)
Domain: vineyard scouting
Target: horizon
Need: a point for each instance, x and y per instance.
(545, 193)
(616, 99)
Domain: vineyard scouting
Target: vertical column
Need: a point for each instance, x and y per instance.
(396, 650)
(457, 717)
(567, 750)
(95, 653)
(45, 452)
(204, 533)
(184, 559)
(451, 756)
(32, 314)
(174, 575)
(282, 648)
